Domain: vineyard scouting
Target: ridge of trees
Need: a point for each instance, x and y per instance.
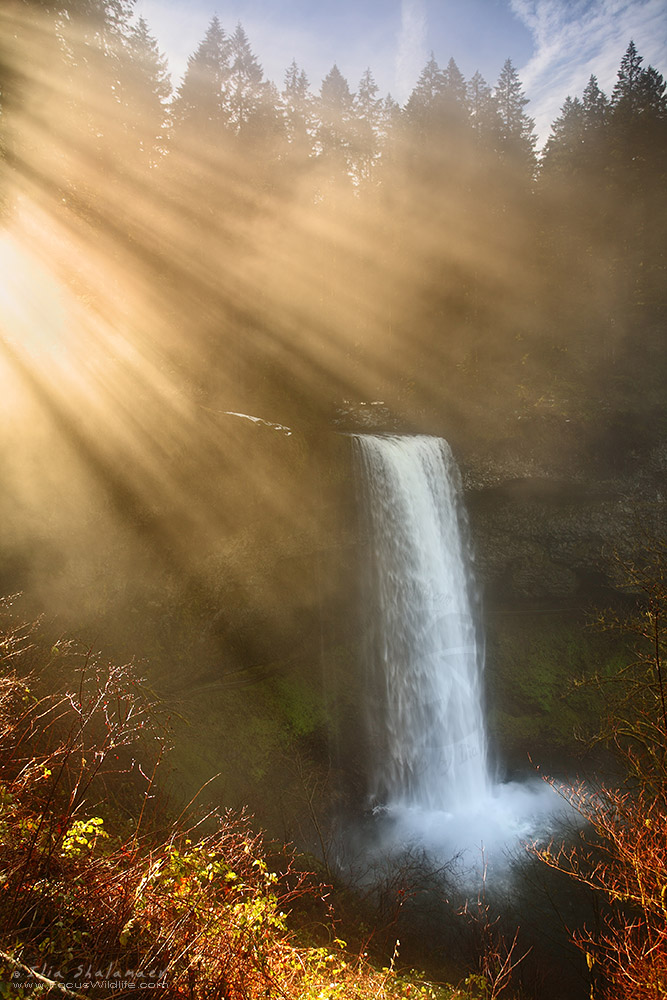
(223, 87)
(547, 260)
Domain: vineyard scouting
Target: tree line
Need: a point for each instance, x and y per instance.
(102, 51)
(459, 244)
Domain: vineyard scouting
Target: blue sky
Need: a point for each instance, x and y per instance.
(555, 44)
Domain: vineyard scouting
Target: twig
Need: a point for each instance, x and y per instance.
(37, 975)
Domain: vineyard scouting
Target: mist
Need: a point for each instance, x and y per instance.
(175, 261)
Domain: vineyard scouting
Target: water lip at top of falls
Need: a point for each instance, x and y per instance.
(429, 780)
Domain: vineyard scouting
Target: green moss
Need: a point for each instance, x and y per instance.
(299, 706)
(541, 695)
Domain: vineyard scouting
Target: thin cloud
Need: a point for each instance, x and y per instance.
(574, 39)
(411, 53)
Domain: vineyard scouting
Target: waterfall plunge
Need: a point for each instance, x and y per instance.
(428, 770)
(426, 715)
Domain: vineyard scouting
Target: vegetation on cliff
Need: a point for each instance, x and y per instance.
(621, 852)
(105, 886)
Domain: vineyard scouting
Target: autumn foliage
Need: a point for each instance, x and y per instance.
(104, 889)
(621, 853)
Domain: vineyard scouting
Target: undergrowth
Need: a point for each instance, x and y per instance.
(105, 891)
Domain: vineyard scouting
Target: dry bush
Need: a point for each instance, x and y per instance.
(99, 885)
(621, 853)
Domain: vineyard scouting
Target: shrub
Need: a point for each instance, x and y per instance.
(98, 885)
(622, 854)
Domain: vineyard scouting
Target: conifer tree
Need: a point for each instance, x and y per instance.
(652, 90)
(484, 116)
(638, 114)
(93, 39)
(455, 89)
(595, 131)
(626, 89)
(454, 112)
(638, 123)
(517, 136)
(638, 174)
(334, 134)
(144, 93)
(437, 115)
(267, 126)
(425, 99)
(595, 105)
(66, 58)
(390, 122)
(201, 103)
(369, 113)
(245, 86)
(298, 110)
(563, 149)
(422, 133)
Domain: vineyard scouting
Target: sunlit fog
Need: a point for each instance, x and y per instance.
(334, 414)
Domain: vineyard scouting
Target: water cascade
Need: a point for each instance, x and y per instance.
(425, 700)
(428, 773)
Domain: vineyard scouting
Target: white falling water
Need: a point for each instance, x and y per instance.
(427, 743)
(425, 702)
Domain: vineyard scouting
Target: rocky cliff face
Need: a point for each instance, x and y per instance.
(550, 543)
(554, 495)
(544, 536)
(551, 527)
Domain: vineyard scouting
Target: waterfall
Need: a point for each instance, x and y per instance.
(425, 717)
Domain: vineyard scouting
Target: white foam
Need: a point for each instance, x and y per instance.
(491, 831)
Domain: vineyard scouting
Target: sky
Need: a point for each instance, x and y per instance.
(554, 44)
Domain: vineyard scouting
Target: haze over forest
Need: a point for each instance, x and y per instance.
(326, 244)
(206, 286)
(171, 255)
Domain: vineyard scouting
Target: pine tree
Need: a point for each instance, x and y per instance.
(425, 99)
(638, 173)
(517, 136)
(437, 117)
(245, 86)
(455, 90)
(369, 113)
(638, 111)
(652, 89)
(200, 103)
(267, 126)
(298, 111)
(595, 105)
(391, 116)
(595, 132)
(578, 136)
(65, 59)
(626, 89)
(144, 94)
(564, 147)
(484, 116)
(389, 130)
(638, 120)
(334, 134)
(93, 39)
(424, 141)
